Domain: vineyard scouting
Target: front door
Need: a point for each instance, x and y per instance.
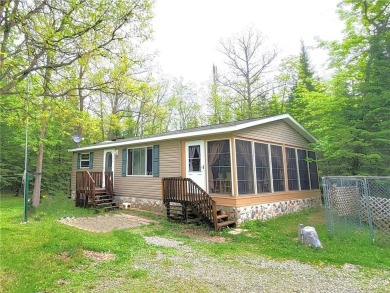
(108, 166)
(195, 162)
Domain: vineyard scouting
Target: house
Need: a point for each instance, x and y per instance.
(251, 169)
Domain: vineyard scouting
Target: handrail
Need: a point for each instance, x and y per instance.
(108, 176)
(87, 182)
(187, 192)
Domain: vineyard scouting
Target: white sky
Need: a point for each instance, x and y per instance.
(187, 32)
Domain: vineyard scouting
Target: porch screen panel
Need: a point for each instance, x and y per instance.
(313, 170)
(244, 167)
(219, 167)
(277, 167)
(292, 170)
(303, 170)
(263, 174)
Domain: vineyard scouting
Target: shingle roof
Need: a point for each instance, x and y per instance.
(203, 130)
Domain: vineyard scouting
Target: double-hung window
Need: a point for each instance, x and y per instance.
(140, 161)
(84, 160)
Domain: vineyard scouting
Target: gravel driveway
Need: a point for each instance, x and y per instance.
(257, 274)
(234, 274)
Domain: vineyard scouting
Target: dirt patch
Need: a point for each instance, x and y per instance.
(64, 256)
(203, 236)
(106, 223)
(98, 256)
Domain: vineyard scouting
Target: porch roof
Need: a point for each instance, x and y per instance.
(199, 131)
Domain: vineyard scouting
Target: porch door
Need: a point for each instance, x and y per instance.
(195, 162)
(108, 165)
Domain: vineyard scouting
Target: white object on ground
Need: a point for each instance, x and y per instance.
(308, 235)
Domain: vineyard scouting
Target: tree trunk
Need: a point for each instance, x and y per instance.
(38, 173)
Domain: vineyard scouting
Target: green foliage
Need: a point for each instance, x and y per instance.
(45, 255)
(362, 63)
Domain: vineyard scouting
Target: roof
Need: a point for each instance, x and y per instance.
(203, 130)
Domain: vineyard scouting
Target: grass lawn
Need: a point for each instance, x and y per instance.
(44, 255)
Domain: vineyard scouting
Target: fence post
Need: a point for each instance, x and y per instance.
(368, 207)
(328, 208)
(26, 191)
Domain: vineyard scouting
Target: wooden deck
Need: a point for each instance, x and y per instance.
(91, 192)
(187, 202)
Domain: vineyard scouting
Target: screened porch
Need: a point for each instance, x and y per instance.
(255, 167)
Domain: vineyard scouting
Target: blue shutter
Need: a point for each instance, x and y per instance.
(91, 160)
(156, 160)
(78, 160)
(124, 162)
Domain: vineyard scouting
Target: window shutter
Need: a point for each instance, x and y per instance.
(78, 160)
(156, 160)
(91, 160)
(124, 162)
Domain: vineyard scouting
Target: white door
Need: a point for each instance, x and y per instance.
(195, 162)
(109, 164)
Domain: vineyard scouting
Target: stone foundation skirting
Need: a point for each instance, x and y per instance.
(152, 205)
(269, 210)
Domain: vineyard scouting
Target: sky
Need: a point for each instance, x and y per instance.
(187, 32)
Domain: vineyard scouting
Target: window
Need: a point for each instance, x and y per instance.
(219, 170)
(263, 174)
(277, 167)
(303, 170)
(244, 167)
(84, 160)
(313, 170)
(292, 170)
(139, 161)
(194, 158)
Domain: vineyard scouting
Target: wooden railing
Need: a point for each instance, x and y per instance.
(88, 182)
(108, 177)
(186, 192)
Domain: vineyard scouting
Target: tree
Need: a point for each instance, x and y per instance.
(248, 62)
(362, 64)
(182, 106)
(42, 40)
(304, 84)
(220, 108)
(70, 30)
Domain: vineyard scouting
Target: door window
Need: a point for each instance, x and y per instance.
(194, 158)
(108, 162)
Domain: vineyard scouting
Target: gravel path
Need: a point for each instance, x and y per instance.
(257, 274)
(234, 274)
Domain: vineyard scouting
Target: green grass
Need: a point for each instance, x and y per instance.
(278, 238)
(44, 255)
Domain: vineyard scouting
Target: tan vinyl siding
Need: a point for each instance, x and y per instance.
(97, 165)
(147, 186)
(170, 156)
(278, 132)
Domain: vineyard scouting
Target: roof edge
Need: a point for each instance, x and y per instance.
(285, 117)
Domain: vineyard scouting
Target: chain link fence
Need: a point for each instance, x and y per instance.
(358, 205)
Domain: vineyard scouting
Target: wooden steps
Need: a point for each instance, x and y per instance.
(104, 201)
(186, 202)
(188, 213)
(226, 224)
(91, 193)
